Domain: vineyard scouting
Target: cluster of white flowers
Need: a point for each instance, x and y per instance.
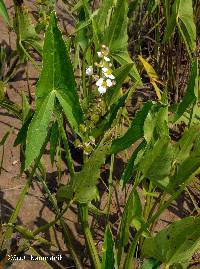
(107, 79)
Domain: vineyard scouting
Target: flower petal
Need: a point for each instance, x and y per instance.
(106, 59)
(111, 76)
(89, 71)
(99, 82)
(100, 54)
(109, 82)
(102, 89)
(104, 69)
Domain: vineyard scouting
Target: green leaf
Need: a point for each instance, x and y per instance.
(81, 39)
(116, 37)
(120, 74)
(150, 264)
(187, 24)
(102, 14)
(133, 209)
(25, 107)
(21, 136)
(182, 15)
(171, 22)
(57, 75)
(25, 30)
(186, 159)
(5, 137)
(157, 161)
(191, 94)
(130, 168)
(185, 144)
(106, 123)
(27, 234)
(123, 58)
(54, 141)
(176, 244)
(133, 5)
(64, 193)
(152, 5)
(188, 169)
(156, 122)
(4, 12)
(81, 25)
(149, 126)
(135, 131)
(38, 129)
(84, 183)
(88, 15)
(109, 252)
(11, 107)
(190, 161)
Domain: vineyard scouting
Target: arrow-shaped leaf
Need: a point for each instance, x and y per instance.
(38, 129)
(57, 75)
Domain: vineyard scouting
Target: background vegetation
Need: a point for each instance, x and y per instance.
(124, 82)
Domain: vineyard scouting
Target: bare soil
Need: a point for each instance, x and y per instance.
(36, 209)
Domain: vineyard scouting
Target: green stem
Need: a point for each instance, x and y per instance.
(147, 206)
(68, 242)
(59, 161)
(158, 202)
(129, 260)
(85, 94)
(11, 107)
(50, 224)
(66, 146)
(94, 26)
(83, 213)
(30, 58)
(110, 182)
(2, 158)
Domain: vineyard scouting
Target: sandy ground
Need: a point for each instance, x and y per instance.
(36, 209)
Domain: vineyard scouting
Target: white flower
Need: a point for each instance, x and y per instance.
(105, 69)
(106, 59)
(99, 82)
(111, 76)
(100, 54)
(109, 83)
(108, 73)
(89, 71)
(103, 85)
(102, 90)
